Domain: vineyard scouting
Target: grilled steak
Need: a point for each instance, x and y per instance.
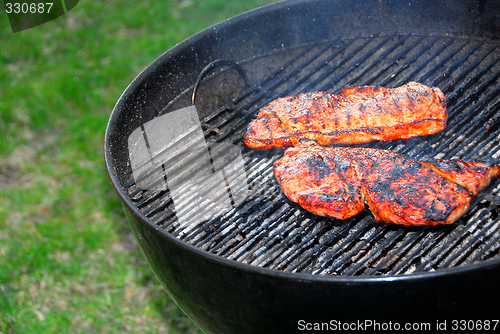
(356, 115)
(337, 182)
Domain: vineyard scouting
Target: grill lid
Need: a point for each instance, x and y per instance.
(253, 222)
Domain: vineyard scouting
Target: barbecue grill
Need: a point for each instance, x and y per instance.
(249, 260)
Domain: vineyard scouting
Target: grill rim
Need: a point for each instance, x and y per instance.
(117, 185)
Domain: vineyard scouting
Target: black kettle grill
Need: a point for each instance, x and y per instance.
(253, 262)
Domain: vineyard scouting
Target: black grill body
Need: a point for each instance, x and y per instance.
(268, 267)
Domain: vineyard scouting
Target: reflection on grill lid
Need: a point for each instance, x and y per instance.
(266, 229)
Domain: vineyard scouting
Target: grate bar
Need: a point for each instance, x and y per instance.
(439, 64)
(259, 200)
(467, 121)
(408, 63)
(407, 77)
(486, 142)
(451, 110)
(294, 71)
(376, 61)
(393, 61)
(354, 64)
(457, 63)
(287, 236)
(482, 129)
(310, 86)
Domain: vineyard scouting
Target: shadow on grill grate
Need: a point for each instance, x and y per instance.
(268, 230)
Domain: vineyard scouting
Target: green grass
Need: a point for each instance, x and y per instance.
(68, 261)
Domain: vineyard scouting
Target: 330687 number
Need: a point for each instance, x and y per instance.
(25, 8)
(472, 325)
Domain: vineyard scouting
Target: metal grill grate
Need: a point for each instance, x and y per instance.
(268, 230)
